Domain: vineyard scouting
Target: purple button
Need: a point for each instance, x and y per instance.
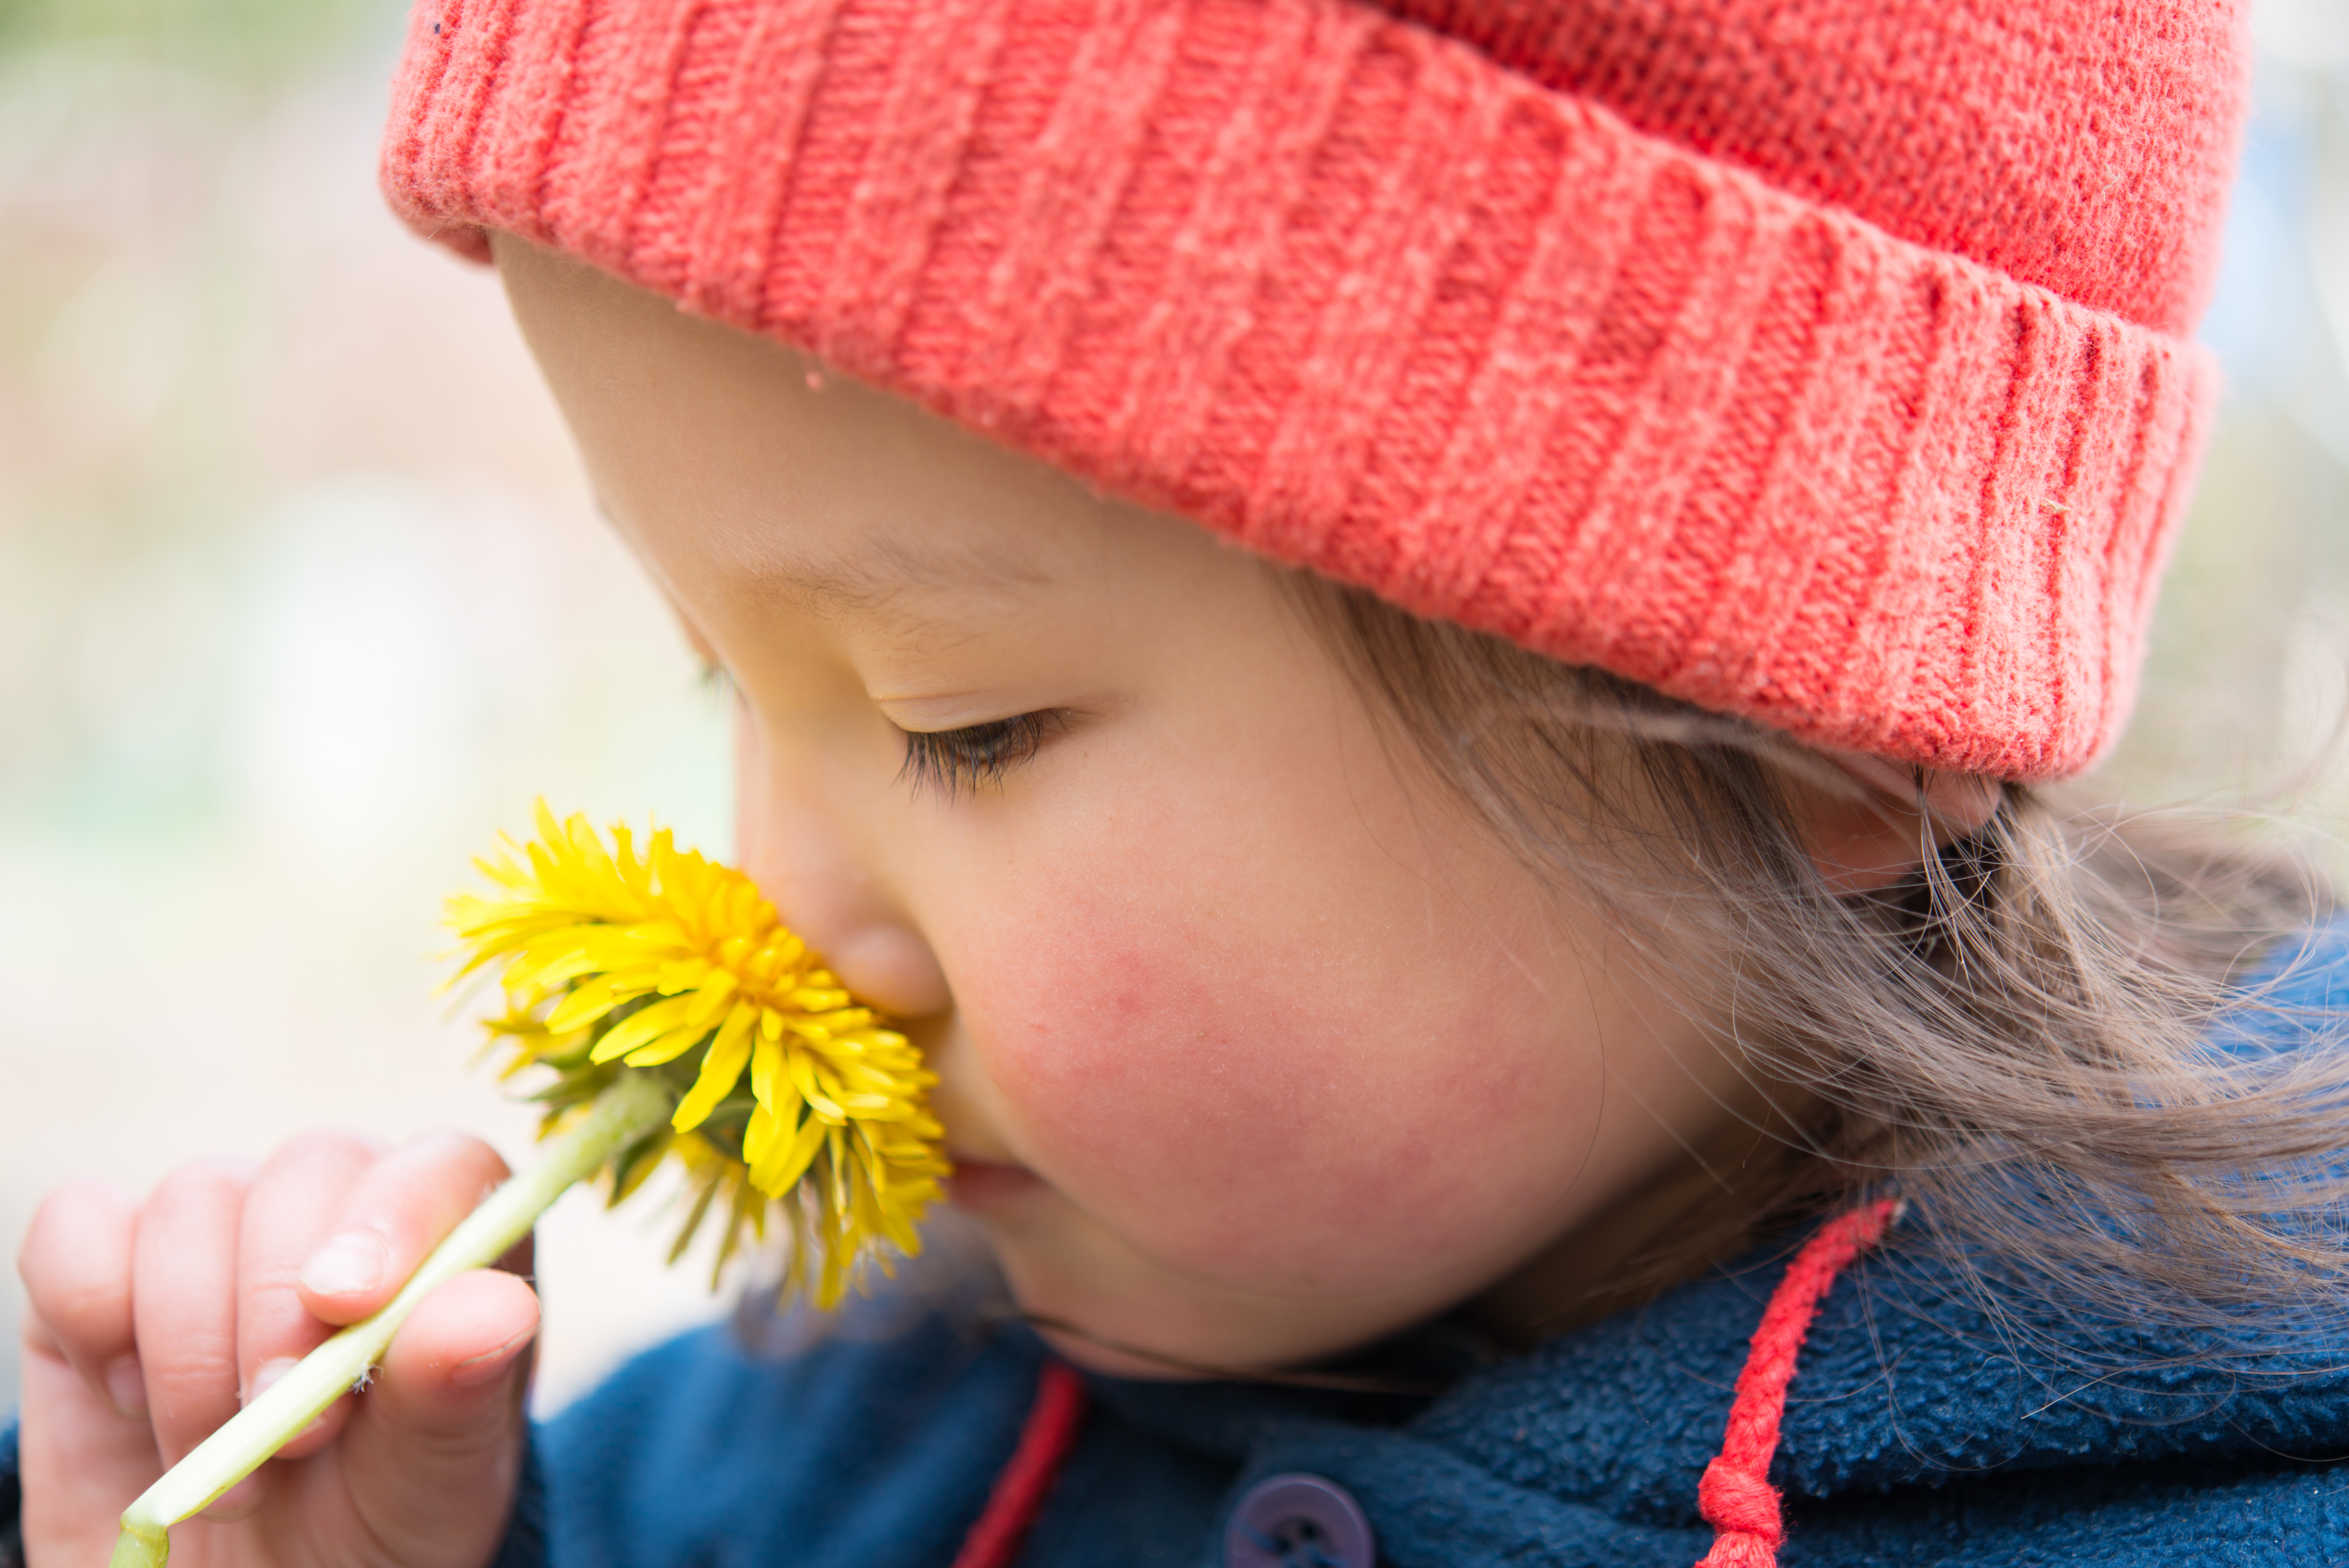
(1299, 1522)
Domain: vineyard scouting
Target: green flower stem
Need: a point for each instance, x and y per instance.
(634, 1107)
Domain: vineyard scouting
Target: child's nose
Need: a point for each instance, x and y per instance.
(835, 906)
(874, 952)
(801, 847)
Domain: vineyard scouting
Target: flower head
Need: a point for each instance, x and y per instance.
(667, 963)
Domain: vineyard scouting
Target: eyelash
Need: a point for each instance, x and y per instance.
(950, 761)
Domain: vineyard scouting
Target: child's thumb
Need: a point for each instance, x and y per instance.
(431, 1457)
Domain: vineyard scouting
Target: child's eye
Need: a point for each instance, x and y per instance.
(952, 760)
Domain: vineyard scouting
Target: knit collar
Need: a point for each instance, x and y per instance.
(1907, 1378)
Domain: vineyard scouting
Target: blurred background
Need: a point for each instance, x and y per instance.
(302, 600)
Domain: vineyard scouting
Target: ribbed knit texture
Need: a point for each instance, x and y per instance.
(1846, 395)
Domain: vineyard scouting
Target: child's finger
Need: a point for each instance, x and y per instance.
(183, 1300)
(82, 1461)
(435, 1447)
(297, 1196)
(400, 1208)
(75, 1265)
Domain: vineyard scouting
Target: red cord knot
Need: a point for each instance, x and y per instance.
(1735, 1549)
(1739, 1501)
(1735, 1496)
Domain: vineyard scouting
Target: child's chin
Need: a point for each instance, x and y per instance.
(1090, 1357)
(1106, 1347)
(1156, 1329)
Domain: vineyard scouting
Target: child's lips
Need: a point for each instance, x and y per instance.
(980, 1184)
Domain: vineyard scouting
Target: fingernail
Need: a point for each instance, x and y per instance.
(490, 1364)
(126, 1385)
(353, 1262)
(267, 1372)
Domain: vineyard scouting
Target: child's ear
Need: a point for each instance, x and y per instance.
(1868, 822)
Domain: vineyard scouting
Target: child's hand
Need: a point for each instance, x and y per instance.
(149, 1320)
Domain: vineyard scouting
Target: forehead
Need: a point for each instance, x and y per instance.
(783, 475)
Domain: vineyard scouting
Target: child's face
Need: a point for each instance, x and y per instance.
(1252, 1046)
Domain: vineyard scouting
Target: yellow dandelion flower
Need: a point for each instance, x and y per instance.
(789, 1093)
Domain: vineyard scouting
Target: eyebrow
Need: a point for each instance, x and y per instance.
(885, 565)
(883, 568)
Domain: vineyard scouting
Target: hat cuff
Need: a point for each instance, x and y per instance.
(1355, 296)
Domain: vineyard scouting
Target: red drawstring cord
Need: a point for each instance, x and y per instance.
(1735, 1497)
(1025, 1481)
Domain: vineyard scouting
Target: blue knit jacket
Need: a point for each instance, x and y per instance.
(1920, 1430)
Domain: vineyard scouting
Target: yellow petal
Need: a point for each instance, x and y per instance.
(766, 1066)
(710, 999)
(642, 1028)
(760, 1136)
(586, 1004)
(788, 1159)
(669, 1046)
(720, 1070)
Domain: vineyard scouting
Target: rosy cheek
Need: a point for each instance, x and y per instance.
(1242, 1101)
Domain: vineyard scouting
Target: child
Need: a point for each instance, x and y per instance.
(1430, 1004)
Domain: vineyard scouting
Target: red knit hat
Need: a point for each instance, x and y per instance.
(1821, 361)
